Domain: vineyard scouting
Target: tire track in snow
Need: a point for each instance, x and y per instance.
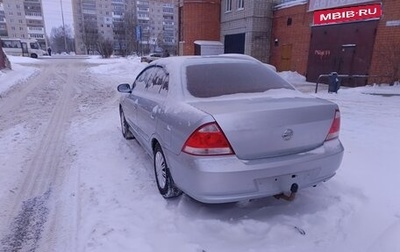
(42, 170)
(13, 99)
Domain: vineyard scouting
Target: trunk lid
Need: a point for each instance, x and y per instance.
(266, 127)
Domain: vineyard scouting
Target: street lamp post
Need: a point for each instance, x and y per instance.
(63, 23)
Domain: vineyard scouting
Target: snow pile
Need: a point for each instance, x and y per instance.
(21, 70)
(289, 3)
(382, 89)
(116, 65)
(292, 76)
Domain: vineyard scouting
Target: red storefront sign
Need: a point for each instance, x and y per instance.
(350, 14)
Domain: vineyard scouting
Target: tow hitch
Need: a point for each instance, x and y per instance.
(293, 190)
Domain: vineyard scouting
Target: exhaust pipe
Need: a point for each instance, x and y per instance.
(293, 190)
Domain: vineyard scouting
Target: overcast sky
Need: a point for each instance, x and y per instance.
(52, 13)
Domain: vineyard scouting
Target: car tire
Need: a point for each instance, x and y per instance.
(34, 55)
(165, 183)
(126, 132)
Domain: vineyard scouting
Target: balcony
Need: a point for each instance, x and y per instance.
(34, 17)
(38, 30)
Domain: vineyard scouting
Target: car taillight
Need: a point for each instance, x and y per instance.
(207, 140)
(335, 127)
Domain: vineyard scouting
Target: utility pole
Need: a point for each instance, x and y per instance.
(63, 23)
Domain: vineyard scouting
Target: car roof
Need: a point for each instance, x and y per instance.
(175, 66)
(176, 61)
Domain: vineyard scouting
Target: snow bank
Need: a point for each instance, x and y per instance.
(290, 4)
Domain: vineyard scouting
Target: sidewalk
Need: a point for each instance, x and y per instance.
(301, 84)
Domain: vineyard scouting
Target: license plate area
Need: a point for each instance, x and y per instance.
(283, 183)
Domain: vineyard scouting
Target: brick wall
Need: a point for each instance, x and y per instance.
(385, 62)
(2, 58)
(290, 42)
(199, 20)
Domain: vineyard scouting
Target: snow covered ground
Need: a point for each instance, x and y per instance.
(108, 200)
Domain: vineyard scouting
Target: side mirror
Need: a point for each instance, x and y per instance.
(124, 88)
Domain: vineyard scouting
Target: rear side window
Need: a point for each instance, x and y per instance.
(211, 80)
(153, 79)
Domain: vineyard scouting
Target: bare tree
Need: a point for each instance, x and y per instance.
(126, 31)
(90, 36)
(58, 37)
(160, 40)
(105, 47)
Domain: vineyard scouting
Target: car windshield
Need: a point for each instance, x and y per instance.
(211, 80)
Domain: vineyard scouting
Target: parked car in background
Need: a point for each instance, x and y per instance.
(228, 128)
(151, 57)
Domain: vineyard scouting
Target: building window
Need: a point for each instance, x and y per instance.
(240, 4)
(228, 5)
(289, 21)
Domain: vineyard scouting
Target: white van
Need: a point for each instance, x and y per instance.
(12, 46)
(31, 48)
(21, 47)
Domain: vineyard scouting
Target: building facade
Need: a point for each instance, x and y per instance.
(290, 39)
(3, 23)
(358, 38)
(385, 62)
(198, 20)
(246, 27)
(140, 26)
(22, 19)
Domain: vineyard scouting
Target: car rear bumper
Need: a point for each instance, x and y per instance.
(229, 179)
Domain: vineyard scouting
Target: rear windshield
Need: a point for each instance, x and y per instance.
(210, 80)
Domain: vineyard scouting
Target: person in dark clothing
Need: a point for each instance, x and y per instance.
(49, 51)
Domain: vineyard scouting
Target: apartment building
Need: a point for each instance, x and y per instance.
(93, 19)
(157, 25)
(163, 30)
(3, 23)
(133, 25)
(22, 19)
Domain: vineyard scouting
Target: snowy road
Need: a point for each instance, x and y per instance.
(42, 109)
(35, 117)
(70, 182)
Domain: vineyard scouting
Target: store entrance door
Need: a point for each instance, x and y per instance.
(345, 63)
(342, 48)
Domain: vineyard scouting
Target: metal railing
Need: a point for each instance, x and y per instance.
(340, 76)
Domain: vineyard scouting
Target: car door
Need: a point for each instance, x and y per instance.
(151, 104)
(131, 103)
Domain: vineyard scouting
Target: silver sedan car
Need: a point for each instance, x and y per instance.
(228, 128)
